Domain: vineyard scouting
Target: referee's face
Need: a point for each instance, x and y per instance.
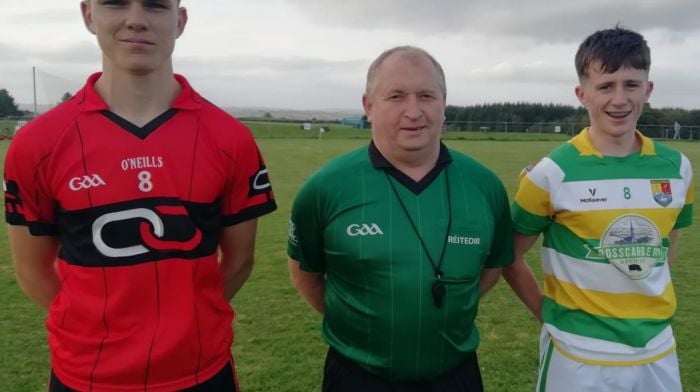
(406, 106)
(136, 36)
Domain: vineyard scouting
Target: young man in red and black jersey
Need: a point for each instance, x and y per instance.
(132, 215)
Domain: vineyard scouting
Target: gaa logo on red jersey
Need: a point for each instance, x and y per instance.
(85, 182)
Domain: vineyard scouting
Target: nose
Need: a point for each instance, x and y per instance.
(619, 97)
(413, 109)
(136, 16)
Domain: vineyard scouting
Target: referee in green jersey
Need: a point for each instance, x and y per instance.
(395, 242)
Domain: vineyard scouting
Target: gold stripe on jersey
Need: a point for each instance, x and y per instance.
(537, 202)
(592, 224)
(604, 304)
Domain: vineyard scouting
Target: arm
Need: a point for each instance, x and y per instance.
(673, 237)
(237, 254)
(311, 285)
(489, 278)
(521, 279)
(34, 259)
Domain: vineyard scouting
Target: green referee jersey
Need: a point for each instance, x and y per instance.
(348, 223)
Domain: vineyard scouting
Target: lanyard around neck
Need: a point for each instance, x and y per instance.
(438, 265)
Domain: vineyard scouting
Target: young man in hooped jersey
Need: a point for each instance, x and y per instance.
(132, 215)
(610, 203)
(395, 242)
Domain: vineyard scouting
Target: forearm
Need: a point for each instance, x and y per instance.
(311, 286)
(237, 246)
(40, 285)
(524, 284)
(234, 276)
(34, 260)
(489, 278)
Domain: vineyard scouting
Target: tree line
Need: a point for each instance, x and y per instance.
(519, 112)
(523, 112)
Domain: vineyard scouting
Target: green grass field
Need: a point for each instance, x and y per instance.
(278, 345)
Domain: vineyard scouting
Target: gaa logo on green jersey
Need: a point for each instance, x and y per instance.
(632, 243)
(364, 229)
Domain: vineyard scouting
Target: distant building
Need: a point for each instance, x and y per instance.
(354, 122)
(20, 124)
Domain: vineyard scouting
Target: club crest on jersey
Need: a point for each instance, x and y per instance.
(633, 244)
(292, 234)
(661, 189)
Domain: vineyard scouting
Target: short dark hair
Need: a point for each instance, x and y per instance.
(614, 48)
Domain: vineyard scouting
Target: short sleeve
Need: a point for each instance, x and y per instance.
(248, 193)
(532, 209)
(28, 200)
(501, 253)
(306, 227)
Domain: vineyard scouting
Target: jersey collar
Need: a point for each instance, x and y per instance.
(380, 162)
(583, 143)
(90, 100)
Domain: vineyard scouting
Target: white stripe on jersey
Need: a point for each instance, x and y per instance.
(603, 277)
(546, 174)
(597, 195)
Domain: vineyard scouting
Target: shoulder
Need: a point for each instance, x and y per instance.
(340, 172)
(345, 165)
(472, 167)
(42, 133)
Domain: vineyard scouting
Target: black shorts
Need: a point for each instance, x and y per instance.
(223, 381)
(343, 375)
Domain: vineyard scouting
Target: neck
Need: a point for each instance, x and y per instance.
(415, 164)
(137, 98)
(615, 146)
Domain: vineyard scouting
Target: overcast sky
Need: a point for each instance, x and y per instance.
(313, 54)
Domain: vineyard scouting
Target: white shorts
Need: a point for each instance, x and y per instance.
(558, 373)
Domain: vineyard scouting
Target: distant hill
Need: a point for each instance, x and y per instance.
(297, 115)
(258, 112)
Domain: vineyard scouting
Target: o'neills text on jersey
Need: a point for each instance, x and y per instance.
(455, 239)
(141, 163)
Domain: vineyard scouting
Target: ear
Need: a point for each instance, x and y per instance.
(367, 105)
(650, 88)
(580, 94)
(181, 20)
(87, 15)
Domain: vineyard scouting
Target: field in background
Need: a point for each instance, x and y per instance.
(278, 345)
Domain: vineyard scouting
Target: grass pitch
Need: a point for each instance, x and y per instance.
(278, 345)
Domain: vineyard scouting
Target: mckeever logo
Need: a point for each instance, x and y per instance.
(354, 229)
(592, 198)
(455, 239)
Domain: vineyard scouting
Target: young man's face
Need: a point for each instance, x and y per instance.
(614, 100)
(406, 105)
(136, 36)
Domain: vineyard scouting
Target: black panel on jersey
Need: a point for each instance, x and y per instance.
(140, 132)
(124, 233)
(380, 162)
(249, 213)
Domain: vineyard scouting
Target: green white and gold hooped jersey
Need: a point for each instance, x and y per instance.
(608, 296)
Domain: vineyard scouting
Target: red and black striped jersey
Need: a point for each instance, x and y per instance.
(138, 212)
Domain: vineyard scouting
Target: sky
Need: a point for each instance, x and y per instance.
(314, 54)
